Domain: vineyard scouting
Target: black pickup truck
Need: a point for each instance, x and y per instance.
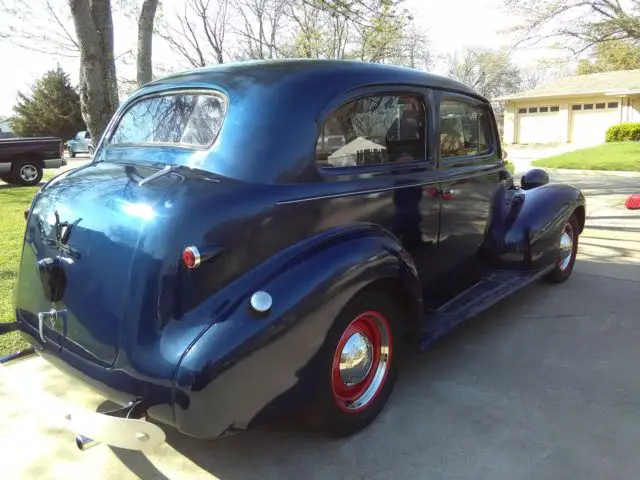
(22, 160)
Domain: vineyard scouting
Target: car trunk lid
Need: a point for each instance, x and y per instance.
(83, 236)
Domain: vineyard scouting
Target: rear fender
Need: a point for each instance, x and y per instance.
(249, 367)
(524, 226)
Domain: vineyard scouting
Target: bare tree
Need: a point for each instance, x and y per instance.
(200, 33)
(261, 23)
(98, 84)
(576, 24)
(489, 72)
(145, 39)
(413, 49)
(47, 31)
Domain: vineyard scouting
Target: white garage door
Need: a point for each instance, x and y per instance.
(589, 121)
(539, 124)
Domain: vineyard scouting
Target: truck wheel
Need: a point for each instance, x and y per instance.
(72, 154)
(90, 151)
(359, 364)
(568, 251)
(27, 173)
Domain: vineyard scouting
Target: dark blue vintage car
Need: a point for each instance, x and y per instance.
(255, 238)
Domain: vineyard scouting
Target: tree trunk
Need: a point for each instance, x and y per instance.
(98, 87)
(145, 35)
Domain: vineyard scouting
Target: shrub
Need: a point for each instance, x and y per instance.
(511, 168)
(623, 132)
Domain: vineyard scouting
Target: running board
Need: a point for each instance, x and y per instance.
(495, 286)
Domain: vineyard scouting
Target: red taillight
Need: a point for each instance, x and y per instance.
(191, 257)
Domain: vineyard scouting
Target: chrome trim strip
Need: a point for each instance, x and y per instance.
(159, 174)
(450, 179)
(356, 193)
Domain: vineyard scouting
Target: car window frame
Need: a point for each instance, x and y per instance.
(355, 171)
(460, 160)
(211, 91)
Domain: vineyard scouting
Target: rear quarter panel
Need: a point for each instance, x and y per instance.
(247, 367)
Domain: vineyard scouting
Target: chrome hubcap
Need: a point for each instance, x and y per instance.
(566, 247)
(361, 362)
(356, 359)
(28, 173)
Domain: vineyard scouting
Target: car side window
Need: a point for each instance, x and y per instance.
(464, 129)
(377, 129)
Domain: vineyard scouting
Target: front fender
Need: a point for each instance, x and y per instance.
(525, 225)
(246, 368)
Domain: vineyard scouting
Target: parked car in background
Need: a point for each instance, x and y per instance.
(214, 269)
(81, 143)
(22, 160)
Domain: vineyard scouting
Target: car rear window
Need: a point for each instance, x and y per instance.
(183, 119)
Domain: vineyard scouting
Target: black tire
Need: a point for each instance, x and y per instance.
(72, 154)
(90, 151)
(370, 309)
(26, 172)
(562, 271)
(7, 178)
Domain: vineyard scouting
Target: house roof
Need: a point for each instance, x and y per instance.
(619, 82)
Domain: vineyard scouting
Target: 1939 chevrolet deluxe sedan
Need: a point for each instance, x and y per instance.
(255, 238)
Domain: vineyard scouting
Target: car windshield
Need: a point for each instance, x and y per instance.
(181, 119)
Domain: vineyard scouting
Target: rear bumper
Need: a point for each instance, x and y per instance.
(54, 163)
(124, 428)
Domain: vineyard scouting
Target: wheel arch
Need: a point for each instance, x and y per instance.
(580, 214)
(25, 157)
(406, 299)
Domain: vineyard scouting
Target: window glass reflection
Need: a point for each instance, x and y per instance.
(464, 129)
(181, 119)
(374, 130)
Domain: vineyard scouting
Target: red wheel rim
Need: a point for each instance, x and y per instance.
(361, 362)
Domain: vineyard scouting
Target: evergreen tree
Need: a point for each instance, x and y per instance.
(52, 108)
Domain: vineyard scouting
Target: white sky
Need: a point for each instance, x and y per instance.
(450, 25)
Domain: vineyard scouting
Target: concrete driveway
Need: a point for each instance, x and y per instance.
(544, 385)
(522, 155)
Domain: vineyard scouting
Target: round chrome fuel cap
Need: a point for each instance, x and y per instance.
(261, 301)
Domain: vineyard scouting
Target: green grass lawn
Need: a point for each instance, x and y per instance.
(609, 156)
(13, 202)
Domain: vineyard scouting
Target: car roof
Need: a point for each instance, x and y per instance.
(350, 72)
(275, 107)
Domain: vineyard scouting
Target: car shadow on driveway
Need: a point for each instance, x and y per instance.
(542, 384)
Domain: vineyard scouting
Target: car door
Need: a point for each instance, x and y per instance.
(469, 166)
(85, 138)
(375, 154)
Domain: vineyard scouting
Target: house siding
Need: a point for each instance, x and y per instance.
(628, 110)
